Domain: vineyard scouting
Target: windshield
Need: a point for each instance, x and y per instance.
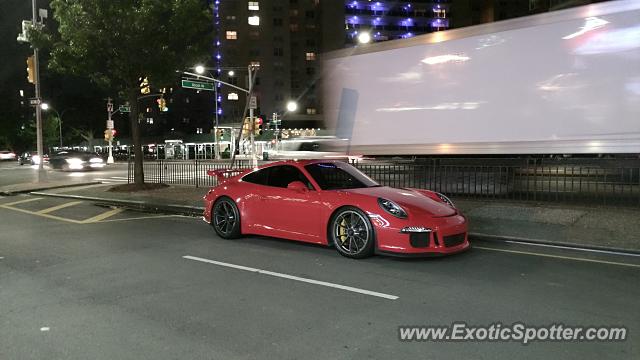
(339, 175)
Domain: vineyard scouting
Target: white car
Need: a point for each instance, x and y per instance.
(7, 155)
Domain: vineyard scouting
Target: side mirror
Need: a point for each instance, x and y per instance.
(298, 186)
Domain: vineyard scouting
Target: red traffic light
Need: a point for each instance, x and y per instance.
(113, 132)
(259, 121)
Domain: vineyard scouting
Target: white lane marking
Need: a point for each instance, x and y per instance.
(296, 278)
(536, 242)
(46, 328)
(557, 256)
(103, 179)
(119, 177)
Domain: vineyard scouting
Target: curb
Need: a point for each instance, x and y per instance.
(12, 193)
(196, 211)
(559, 244)
(135, 204)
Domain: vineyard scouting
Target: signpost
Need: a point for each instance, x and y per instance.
(109, 128)
(198, 85)
(124, 108)
(35, 101)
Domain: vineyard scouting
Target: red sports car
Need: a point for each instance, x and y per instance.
(333, 203)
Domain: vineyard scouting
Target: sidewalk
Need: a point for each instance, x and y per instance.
(36, 186)
(594, 227)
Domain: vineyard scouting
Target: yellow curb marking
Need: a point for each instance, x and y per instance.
(58, 207)
(145, 217)
(43, 215)
(558, 256)
(21, 201)
(103, 216)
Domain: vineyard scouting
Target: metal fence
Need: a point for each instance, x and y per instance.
(591, 181)
(192, 173)
(584, 181)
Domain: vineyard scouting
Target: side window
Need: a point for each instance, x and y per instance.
(281, 176)
(257, 177)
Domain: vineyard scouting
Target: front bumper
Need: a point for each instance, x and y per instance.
(421, 236)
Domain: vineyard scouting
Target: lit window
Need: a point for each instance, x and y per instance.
(150, 121)
(199, 131)
(311, 111)
(232, 96)
(255, 64)
(254, 20)
(311, 56)
(232, 35)
(254, 5)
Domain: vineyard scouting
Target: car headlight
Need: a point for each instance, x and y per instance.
(95, 160)
(392, 208)
(74, 161)
(445, 200)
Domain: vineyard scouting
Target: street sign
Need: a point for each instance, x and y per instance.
(109, 107)
(253, 103)
(109, 124)
(198, 85)
(124, 108)
(35, 101)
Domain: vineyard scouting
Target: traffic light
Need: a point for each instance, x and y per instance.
(107, 135)
(113, 133)
(219, 134)
(162, 104)
(31, 69)
(245, 127)
(257, 126)
(144, 86)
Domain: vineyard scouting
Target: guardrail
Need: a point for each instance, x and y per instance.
(582, 181)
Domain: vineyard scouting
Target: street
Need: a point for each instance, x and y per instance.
(11, 172)
(83, 281)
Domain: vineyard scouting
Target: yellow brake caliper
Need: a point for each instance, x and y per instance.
(343, 231)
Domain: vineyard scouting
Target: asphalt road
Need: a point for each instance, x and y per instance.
(12, 173)
(80, 281)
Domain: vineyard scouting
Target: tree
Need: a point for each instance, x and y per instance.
(116, 43)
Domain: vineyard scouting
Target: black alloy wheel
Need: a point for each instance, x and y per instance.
(352, 233)
(225, 218)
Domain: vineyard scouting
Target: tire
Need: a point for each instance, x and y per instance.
(225, 218)
(352, 233)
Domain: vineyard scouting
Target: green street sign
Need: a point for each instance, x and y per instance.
(124, 108)
(189, 84)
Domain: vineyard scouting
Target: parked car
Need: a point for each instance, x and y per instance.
(332, 203)
(31, 157)
(76, 160)
(7, 155)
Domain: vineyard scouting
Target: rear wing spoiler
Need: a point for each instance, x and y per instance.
(224, 174)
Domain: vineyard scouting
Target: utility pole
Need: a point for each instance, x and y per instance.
(42, 175)
(216, 147)
(252, 105)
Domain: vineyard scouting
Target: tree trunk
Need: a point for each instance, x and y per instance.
(138, 171)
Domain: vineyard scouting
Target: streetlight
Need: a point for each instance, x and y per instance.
(292, 106)
(200, 70)
(45, 107)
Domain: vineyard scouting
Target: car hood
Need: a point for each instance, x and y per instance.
(411, 200)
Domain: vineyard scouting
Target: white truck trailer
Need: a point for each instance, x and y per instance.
(564, 82)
